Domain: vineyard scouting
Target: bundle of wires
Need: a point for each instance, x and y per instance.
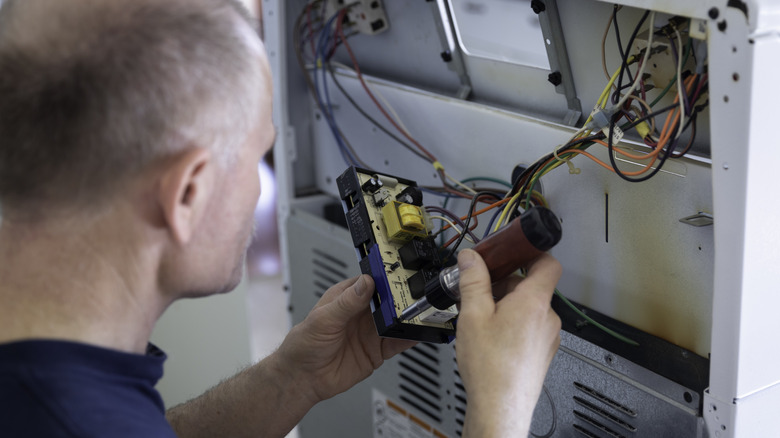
(317, 38)
(620, 108)
(663, 145)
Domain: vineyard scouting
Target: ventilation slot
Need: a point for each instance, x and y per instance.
(602, 412)
(606, 400)
(460, 401)
(327, 271)
(420, 383)
(598, 425)
(585, 432)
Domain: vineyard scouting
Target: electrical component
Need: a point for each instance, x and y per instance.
(514, 246)
(393, 246)
(411, 195)
(372, 185)
(367, 16)
(418, 253)
(403, 221)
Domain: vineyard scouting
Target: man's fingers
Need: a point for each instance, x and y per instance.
(505, 286)
(544, 274)
(475, 292)
(335, 291)
(352, 300)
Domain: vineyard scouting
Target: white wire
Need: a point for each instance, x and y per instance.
(458, 183)
(641, 71)
(452, 224)
(680, 90)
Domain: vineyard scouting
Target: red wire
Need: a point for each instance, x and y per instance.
(310, 27)
(340, 32)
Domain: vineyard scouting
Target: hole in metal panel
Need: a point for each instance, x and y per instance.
(419, 374)
(322, 276)
(417, 406)
(604, 399)
(329, 268)
(585, 432)
(598, 425)
(432, 370)
(413, 392)
(602, 412)
(420, 386)
(330, 258)
(425, 354)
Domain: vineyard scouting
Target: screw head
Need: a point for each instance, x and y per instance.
(446, 56)
(538, 6)
(555, 78)
(713, 13)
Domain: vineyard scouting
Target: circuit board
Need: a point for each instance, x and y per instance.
(391, 234)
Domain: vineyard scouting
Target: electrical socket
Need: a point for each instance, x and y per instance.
(367, 16)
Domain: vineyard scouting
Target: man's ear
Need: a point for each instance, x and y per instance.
(184, 192)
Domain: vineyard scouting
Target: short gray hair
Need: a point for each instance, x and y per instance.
(93, 91)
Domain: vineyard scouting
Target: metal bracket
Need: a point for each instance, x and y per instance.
(560, 69)
(451, 52)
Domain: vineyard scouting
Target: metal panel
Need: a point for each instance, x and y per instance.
(645, 267)
(611, 228)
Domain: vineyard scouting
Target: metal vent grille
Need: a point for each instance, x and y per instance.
(327, 271)
(603, 417)
(420, 380)
(459, 394)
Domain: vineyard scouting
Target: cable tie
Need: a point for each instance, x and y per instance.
(437, 165)
(572, 169)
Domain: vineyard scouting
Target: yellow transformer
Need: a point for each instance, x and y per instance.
(403, 221)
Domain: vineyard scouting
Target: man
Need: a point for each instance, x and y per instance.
(130, 133)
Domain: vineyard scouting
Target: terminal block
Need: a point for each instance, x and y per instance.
(391, 234)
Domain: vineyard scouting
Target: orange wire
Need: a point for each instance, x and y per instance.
(666, 134)
(479, 212)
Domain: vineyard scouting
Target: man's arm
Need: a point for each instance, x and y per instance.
(333, 349)
(505, 347)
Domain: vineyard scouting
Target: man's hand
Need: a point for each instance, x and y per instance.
(504, 348)
(334, 348)
(337, 346)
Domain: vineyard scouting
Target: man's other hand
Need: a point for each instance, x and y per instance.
(504, 348)
(337, 346)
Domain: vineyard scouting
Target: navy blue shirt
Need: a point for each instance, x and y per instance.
(68, 389)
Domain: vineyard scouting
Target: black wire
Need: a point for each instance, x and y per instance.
(617, 37)
(533, 168)
(369, 118)
(467, 222)
(624, 62)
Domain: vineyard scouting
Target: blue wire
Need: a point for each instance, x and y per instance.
(444, 195)
(492, 221)
(320, 59)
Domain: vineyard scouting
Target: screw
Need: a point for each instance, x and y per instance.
(555, 78)
(713, 13)
(722, 26)
(446, 56)
(538, 6)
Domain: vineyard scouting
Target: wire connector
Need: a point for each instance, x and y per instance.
(599, 119)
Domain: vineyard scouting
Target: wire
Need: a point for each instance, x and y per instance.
(595, 323)
(648, 53)
(340, 33)
(368, 117)
(623, 53)
(453, 216)
(345, 149)
(466, 223)
(453, 226)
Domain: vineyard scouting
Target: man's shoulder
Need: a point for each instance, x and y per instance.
(62, 389)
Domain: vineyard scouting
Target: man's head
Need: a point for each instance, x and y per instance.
(163, 102)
